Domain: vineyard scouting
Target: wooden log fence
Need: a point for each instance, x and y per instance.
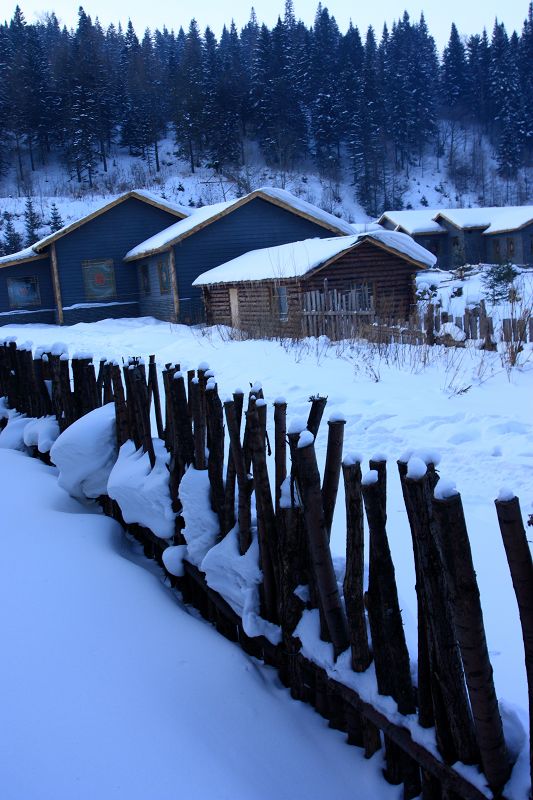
(455, 691)
(348, 316)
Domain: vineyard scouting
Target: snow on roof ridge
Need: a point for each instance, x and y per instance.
(493, 218)
(203, 215)
(295, 259)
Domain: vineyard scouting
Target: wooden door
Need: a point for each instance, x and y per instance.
(234, 306)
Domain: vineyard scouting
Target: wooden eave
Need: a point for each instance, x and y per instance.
(78, 224)
(225, 212)
(16, 262)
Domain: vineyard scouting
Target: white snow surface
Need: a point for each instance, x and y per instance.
(86, 452)
(208, 213)
(113, 690)
(298, 258)
(141, 491)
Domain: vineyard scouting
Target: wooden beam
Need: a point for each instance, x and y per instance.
(55, 283)
(15, 262)
(174, 284)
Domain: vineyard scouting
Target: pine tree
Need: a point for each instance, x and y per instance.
(31, 222)
(12, 239)
(454, 76)
(56, 222)
(188, 111)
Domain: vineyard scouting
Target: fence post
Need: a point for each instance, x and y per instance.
(353, 580)
(326, 581)
(332, 470)
(449, 517)
(453, 720)
(243, 481)
(521, 568)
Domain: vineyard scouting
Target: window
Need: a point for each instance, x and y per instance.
(497, 250)
(455, 241)
(145, 279)
(164, 277)
(283, 303)
(510, 247)
(99, 280)
(23, 292)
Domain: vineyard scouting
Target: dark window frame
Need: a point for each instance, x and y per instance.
(145, 279)
(163, 273)
(32, 279)
(90, 296)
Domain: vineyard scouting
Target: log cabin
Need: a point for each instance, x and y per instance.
(280, 290)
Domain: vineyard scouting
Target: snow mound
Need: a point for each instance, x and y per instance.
(12, 437)
(86, 452)
(41, 433)
(201, 523)
(141, 491)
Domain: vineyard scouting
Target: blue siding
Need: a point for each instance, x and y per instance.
(107, 237)
(44, 312)
(252, 226)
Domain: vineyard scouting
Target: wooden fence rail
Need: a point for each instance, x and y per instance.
(455, 693)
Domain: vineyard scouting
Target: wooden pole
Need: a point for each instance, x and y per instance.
(391, 656)
(153, 384)
(244, 483)
(326, 581)
(521, 568)
(199, 425)
(215, 461)
(426, 717)
(453, 719)
(280, 447)
(121, 410)
(353, 581)
(56, 284)
(318, 404)
(266, 520)
(453, 535)
(332, 470)
(174, 285)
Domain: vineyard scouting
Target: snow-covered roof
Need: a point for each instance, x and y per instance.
(298, 258)
(139, 194)
(413, 222)
(208, 214)
(494, 219)
(28, 254)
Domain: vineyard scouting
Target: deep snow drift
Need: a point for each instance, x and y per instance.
(111, 689)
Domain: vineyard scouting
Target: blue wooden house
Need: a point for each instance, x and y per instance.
(168, 263)
(459, 236)
(78, 273)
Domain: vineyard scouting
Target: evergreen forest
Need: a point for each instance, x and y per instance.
(371, 104)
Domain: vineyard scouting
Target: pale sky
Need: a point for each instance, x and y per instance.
(471, 16)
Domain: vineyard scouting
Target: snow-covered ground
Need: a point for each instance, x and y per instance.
(111, 689)
(460, 403)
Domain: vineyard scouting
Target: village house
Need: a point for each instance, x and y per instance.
(297, 288)
(461, 236)
(78, 273)
(168, 263)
